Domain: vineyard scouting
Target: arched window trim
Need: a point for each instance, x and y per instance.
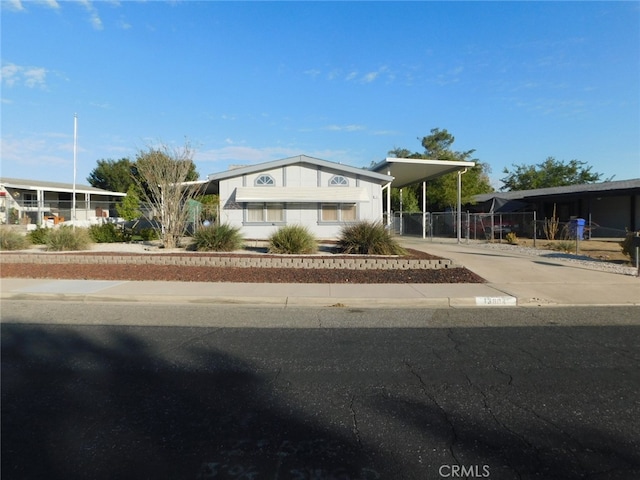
(338, 181)
(265, 180)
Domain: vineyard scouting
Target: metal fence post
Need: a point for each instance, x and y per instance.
(638, 254)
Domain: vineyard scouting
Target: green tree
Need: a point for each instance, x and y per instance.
(442, 192)
(210, 205)
(112, 175)
(409, 200)
(129, 207)
(550, 173)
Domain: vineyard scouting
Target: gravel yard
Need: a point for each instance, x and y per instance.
(284, 275)
(227, 274)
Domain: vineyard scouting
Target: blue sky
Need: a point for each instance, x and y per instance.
(342, 81)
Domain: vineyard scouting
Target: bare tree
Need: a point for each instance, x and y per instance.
(163, 176)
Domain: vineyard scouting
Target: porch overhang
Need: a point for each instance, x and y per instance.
(409, 171)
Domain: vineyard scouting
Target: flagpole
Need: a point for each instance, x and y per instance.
(75, 157)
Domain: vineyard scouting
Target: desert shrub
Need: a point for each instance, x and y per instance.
(66, 238)
(12, 240)
(148, 234)
(627, 245)
(217, 238)
(368, 238)
(106, 233)
(39, 236)
(511, 238)
(562, 246)
(293, 239)
(551, 225)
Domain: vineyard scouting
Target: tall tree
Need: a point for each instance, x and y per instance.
(129, 206)
(112, 175)
(550, 173)
(442, 192)
(161, 173)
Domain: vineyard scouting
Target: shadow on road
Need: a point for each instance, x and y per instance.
(494, 445)
(84, 407)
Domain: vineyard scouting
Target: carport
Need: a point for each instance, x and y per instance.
(409, 171)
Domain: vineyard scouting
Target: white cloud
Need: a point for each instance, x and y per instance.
(244, 154)
(19, 5)
(313, 73)
(35, 77)
(333, 74)
(370, 77)
(15, 5)
(123, 24)
(94, 18)
(37, 151)
(10, 74)
(51, 4)
(345, 128)
(104, 105)
(32, 77)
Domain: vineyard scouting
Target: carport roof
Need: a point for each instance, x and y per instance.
(407, 171)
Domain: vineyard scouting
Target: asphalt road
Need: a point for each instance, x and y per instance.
(110, 391)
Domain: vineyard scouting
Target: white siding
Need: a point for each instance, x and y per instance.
(307, 214)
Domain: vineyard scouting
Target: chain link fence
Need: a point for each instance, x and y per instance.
(496, 226)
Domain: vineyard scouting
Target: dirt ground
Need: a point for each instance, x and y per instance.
(608, 250)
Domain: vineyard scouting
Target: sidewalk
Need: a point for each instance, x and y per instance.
(513, 279)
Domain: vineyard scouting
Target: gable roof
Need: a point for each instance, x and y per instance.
(620, 187)
(301, 160)
(54, 187)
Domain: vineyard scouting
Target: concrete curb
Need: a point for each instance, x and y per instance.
(284, 301)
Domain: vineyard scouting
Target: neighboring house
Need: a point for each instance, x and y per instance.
(42, 203)
(301, 190)
(612, 207)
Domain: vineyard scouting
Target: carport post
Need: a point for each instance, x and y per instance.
(389, 204)
(401, 212)
(424, 209)
(535, 228)
(460, 173)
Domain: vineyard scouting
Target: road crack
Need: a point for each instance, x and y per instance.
(453, 439)
(502, 372)
(354, 422)
(502, 425)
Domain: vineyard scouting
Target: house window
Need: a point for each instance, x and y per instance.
(338, 181)
(338, 212)
(265, 212)
(265, 180)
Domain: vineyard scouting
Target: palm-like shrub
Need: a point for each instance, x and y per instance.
(11, 240)
(67, 238)
(217, 238)
(293, 239)
(368, 238)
